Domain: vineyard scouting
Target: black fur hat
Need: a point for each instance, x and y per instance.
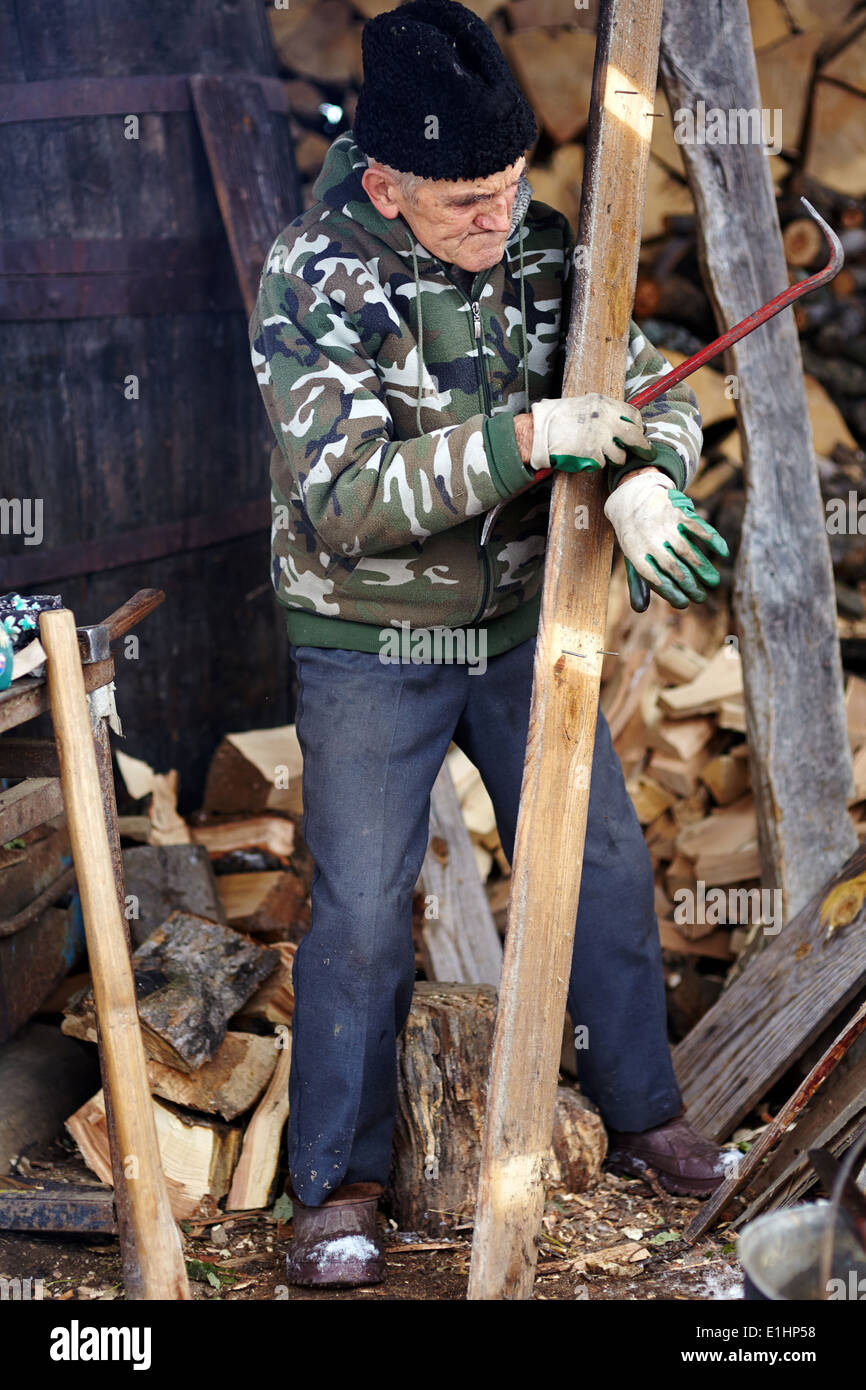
(439, 100)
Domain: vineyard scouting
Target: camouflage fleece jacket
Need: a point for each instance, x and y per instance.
(392, 394)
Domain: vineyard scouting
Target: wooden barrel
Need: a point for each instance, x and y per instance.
(134, 444)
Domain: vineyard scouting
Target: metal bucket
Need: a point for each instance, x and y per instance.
(781, 1256)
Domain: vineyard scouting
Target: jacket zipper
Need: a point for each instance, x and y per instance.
(485, 386)
(475, 306)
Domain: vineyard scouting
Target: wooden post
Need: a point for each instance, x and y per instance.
(157, 1243)
(554, 799)
(784, 598)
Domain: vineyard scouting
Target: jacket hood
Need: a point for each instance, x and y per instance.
(339, 187)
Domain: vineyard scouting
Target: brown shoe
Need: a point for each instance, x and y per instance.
(337, 1244)
(685, 1163)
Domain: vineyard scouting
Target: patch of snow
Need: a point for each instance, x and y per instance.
(723, 1284)
(333, 1253)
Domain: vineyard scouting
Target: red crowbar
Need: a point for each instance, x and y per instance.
(713, 349)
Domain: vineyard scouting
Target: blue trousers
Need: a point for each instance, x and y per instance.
(374, 737)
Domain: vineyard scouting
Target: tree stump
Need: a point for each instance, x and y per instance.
(443, 1064)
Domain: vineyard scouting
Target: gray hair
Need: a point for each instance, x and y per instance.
(407, 183)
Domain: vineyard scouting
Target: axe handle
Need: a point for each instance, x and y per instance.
(132, 612)
(134, 1141)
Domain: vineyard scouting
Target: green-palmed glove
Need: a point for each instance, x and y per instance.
(657, 529)
(585, 432)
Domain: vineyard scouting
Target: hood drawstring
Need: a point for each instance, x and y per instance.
(523, 324)
(420, 339)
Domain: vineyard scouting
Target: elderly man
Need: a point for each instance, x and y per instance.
(408, 342)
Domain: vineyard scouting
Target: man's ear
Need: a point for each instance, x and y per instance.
(380, 189)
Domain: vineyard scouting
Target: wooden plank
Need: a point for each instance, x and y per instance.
(257, 1168)
(461, 943)
(555, 792)
(823, 1124)
(790, 1111)
(157, 1243)
(766, 1019)
(30, 803)
(786, 612)
(56, 1208)
(255, 180)
(28, 757)
(28, 698)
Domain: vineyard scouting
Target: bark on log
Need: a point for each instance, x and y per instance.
(783, 595)
(168, 878)
(191, 976)
(443, 1061)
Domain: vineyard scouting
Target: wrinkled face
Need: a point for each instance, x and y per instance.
(464, 222)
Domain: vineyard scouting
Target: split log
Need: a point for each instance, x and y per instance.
(191, 976)
(162, 879)
(255, 1173)
(678, 775)
(272, 834)
(275, 1000)
(317, 38)
(804, 242)
(681, 738)
(855, 711)
(785, 80)
(442, 1059)
(849, 64)
(648, 797)
(459, 938)
(789, 641)
(558, 183)
(271, 906)
(555, 72)
(167, 826)
(678, 663)
(721, 679)
(228, 1085)
(727, 778)
(198, 1156)
(260, 770)
(837, 139)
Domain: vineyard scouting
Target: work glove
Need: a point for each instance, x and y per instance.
(584, 432)
(657, 529)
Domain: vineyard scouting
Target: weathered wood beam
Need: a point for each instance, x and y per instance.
(554, 800)
(461, 943)
(783, 595)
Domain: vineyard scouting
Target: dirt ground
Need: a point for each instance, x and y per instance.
(622, 1240)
